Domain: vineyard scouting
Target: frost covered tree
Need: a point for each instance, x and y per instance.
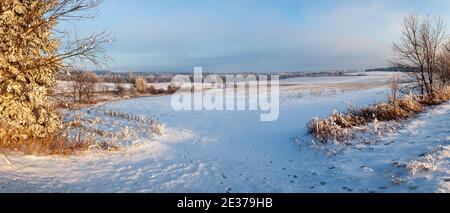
(82, 84)
(32, 51)
(444, 65)
(139, 85)
(418, 49)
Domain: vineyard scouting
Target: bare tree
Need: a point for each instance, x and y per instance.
(394, 86)
(119, 84)
(90, 81)
(418, 49)
(444, 66)
(82, 86)
(75, 86)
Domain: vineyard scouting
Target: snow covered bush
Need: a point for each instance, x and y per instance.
(139, 86)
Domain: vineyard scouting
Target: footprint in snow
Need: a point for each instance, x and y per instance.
(347, 189)
(389, 143)
(412, 188)
(367, 169)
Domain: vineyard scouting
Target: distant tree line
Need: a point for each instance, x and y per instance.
(392, 69)
(150, 77)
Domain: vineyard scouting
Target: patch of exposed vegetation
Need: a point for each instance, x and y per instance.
(341, 127)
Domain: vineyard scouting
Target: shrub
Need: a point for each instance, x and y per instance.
(173, 88)
(121, 89)
(326, 130)
(156, 91)
(139, 86)
(410, 104)
(436, 98)
(382, 112)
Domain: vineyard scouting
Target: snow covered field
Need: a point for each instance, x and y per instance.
(223, 151)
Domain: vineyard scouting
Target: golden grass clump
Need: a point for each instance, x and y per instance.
(382, 112)
(436, 98)
(58, 143)
(410, 104)
(335, 128)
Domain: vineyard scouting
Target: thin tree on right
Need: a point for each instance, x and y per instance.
(421, 49)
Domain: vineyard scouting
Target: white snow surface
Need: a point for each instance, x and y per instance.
(213, 151)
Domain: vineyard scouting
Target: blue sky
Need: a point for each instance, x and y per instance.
(254, 35)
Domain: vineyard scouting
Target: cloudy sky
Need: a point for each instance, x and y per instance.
(254, 35)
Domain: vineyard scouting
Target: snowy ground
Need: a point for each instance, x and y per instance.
(211, 151)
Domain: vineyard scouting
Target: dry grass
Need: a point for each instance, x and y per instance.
(382, 112)
(410, 104)
(436, 98)
(423, 165)
(329, 130)
(58, 143)
(339, 128)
